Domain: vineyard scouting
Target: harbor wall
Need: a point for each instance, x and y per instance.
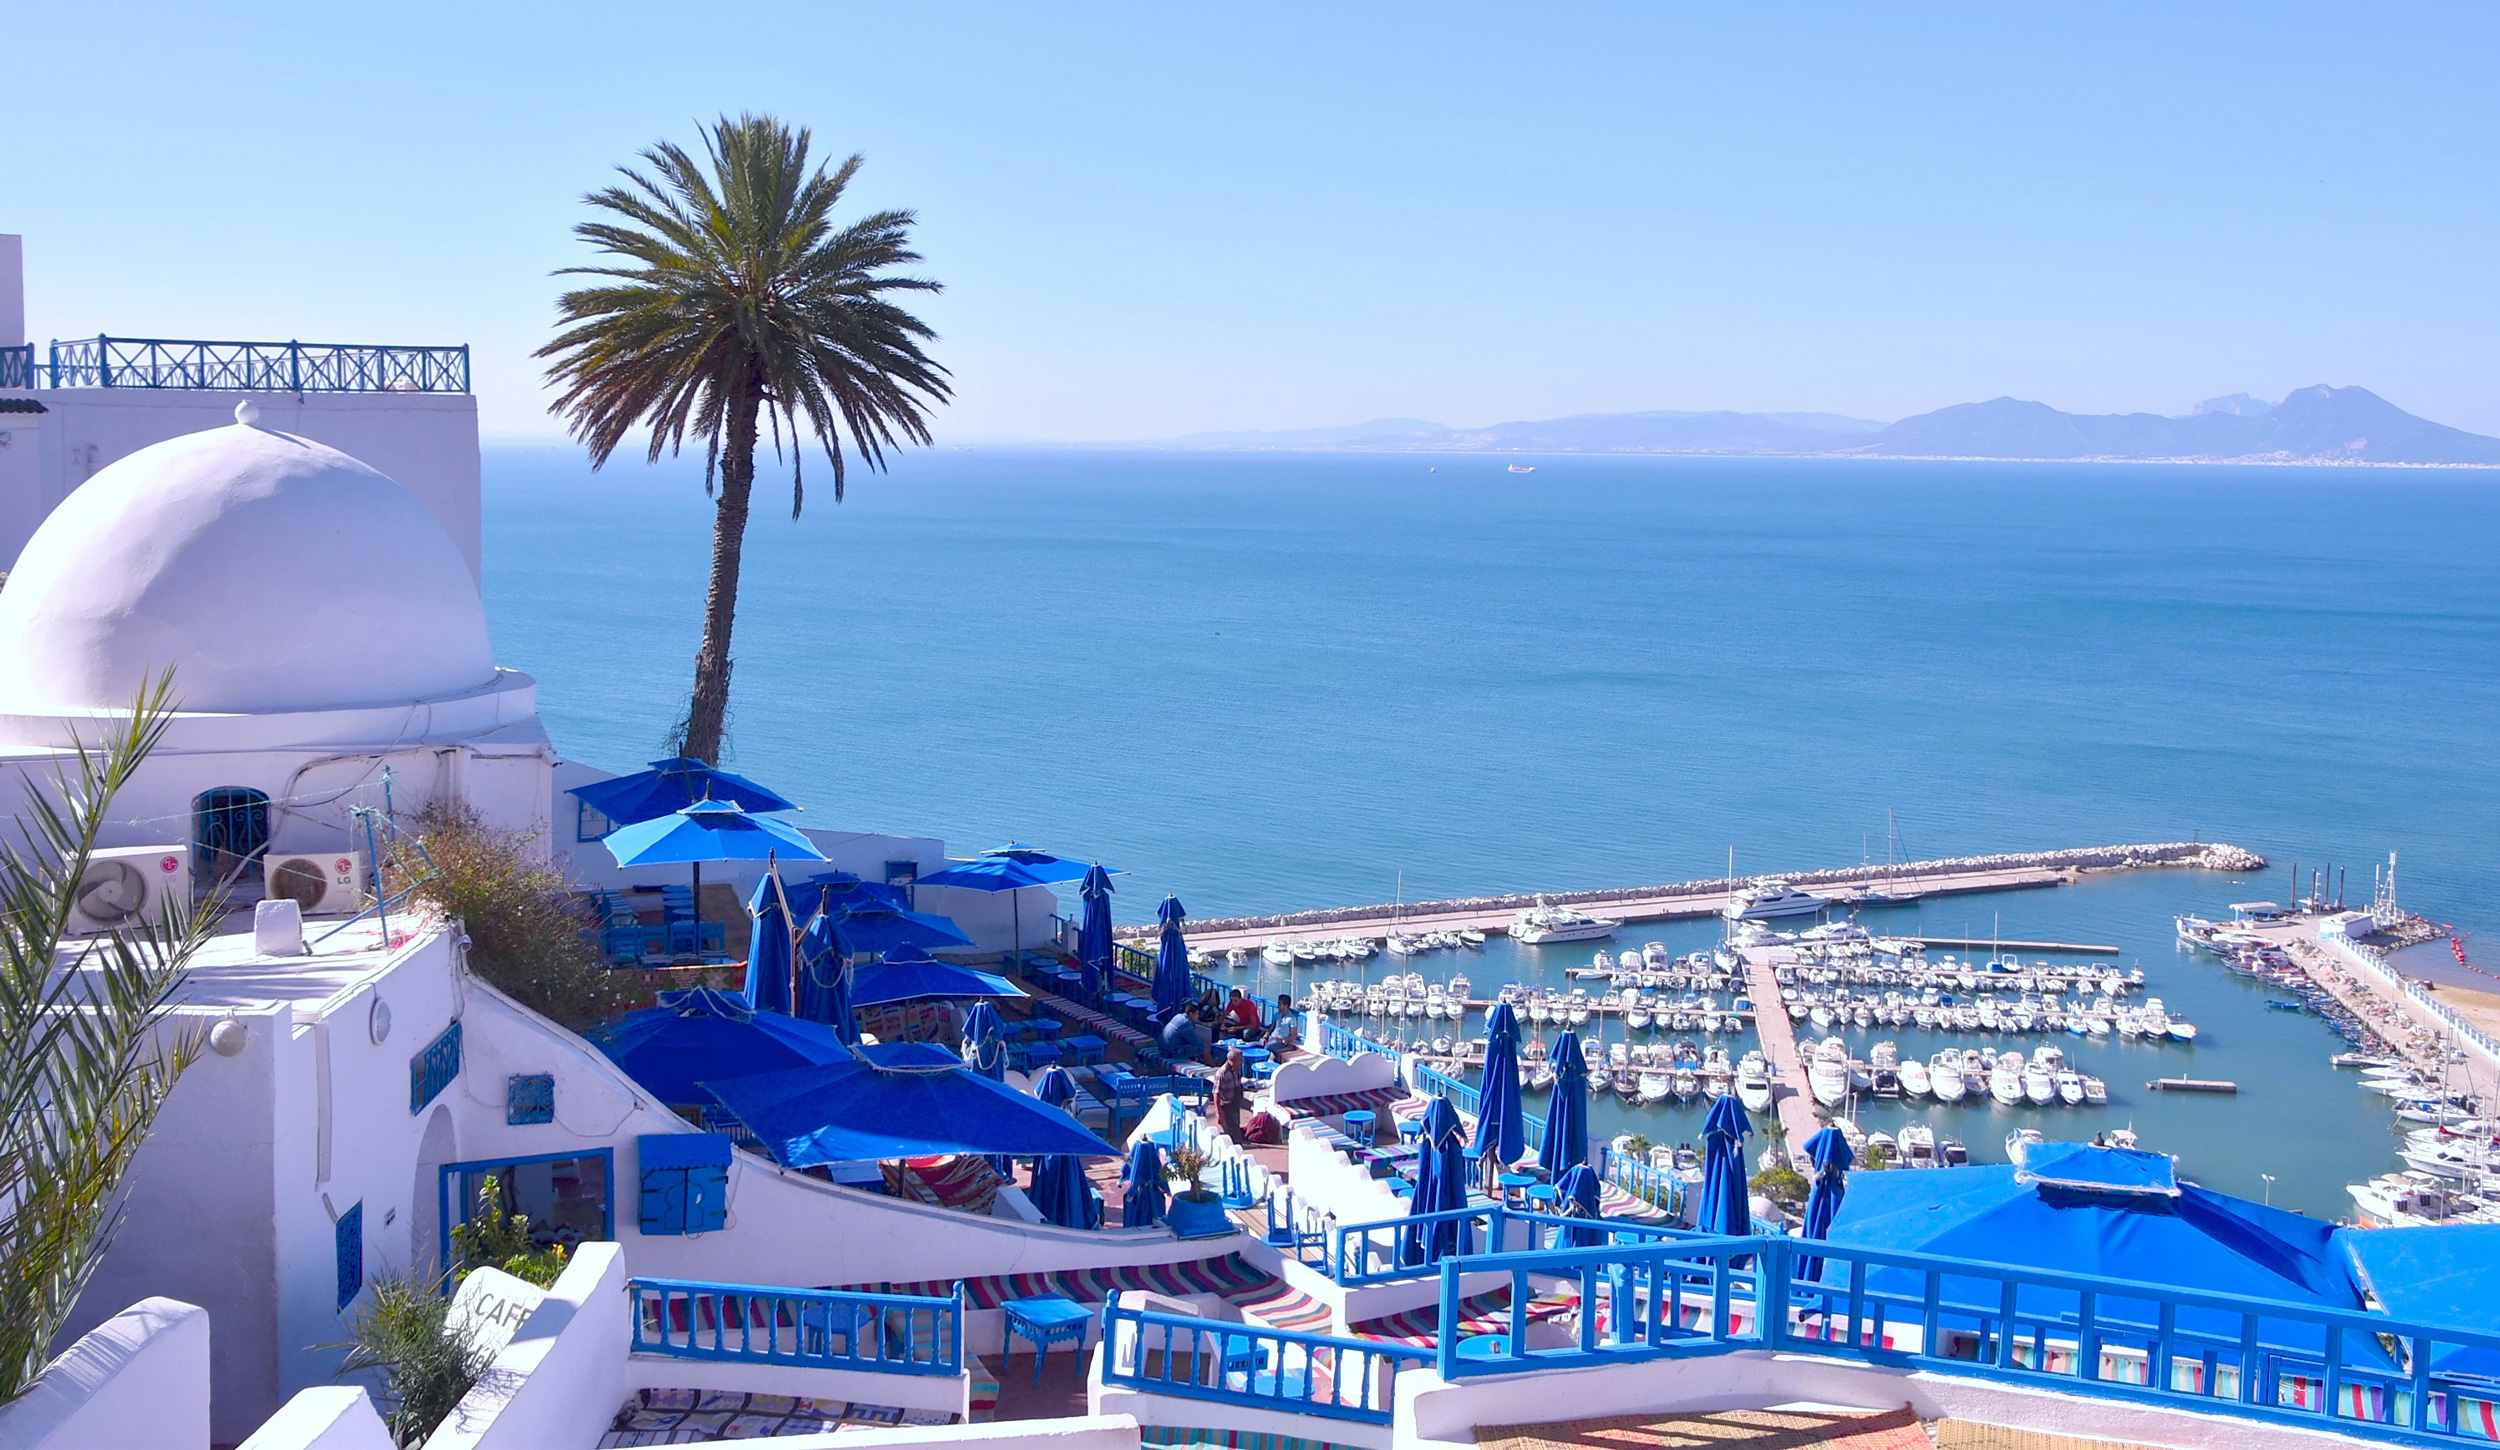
(2190, 855)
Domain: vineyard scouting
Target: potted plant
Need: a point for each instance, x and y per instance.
(1196, 1212)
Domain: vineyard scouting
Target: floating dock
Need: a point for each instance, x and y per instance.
(2192, 1085)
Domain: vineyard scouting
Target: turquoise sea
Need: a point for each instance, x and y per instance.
(1275, 681)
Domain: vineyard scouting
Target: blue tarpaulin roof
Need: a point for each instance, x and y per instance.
(2444, 1277)
(690, 1036)
(2105, 1170)
(850, 1111)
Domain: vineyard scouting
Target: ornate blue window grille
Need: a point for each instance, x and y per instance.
(529, 1098)
(351, 1253)
(251, 367)
(433, 1068)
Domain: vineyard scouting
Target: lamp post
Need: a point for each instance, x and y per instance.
(2269, 1178)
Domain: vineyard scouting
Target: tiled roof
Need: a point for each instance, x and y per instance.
(21, 405)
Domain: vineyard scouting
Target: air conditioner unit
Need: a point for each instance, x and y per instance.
(125, 886)
(327, 883)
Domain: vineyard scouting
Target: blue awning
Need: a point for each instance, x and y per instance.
(921, 1100)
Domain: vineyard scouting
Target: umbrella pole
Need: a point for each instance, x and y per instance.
(772, 873)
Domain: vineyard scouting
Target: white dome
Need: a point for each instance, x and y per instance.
(270, 572)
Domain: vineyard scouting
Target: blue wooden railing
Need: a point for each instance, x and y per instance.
(2356, 1374)
(819, 1328)
(1254, 1366)
(17, 366)
(1641, 1179)
(1361, 1254)
(254, 367)
(1469, 1100)
(1346, 1044)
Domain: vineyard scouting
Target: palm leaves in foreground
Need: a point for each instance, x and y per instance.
(83, 1069)
(734, 300)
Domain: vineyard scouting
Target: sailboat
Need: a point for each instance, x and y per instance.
(1886, 894)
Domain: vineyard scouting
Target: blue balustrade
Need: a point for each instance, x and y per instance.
(1656, 1187)
(2356, 1374)
(819, 1328)
(252, 367)
(1469, 1100)
(1253, 1366)
(1362, 1254)
(17, 366)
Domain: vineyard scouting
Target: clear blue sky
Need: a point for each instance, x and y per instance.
(1159, 219)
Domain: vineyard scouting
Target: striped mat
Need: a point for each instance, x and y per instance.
(1231, 1276)
(1484, 1314)
(1336, 1103)
(1288, 1308)
(1110, 1028)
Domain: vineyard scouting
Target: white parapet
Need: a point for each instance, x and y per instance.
(138, 1381)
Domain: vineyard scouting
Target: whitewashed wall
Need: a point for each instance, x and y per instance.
(138, 1381)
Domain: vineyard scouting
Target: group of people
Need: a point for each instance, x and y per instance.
(1199, 1028)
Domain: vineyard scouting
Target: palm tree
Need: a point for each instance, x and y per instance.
(735, 299)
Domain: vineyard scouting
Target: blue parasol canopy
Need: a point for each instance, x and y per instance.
(835, 892)
(1829, 1152)
(673, 785)
(1578, 1190)
(909, 974)
(1440, 1187)
(985, 1050)
(702, 1033)
(708, 831)
(920, 1100)
(1567, 1113)
(1501, 1123)
(1093, 938)
(768, 950)
(824, 982)
(1171, 958)
(1042, 864)
(996, 873)
(874, 928)
(1141, 1185)
(1726, 1206)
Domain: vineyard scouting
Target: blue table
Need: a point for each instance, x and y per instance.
(1359, 1126)
(1084, 1051)
(1029, 1055)
(1047, 1319)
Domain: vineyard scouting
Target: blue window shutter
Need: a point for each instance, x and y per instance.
(685, 1182)
(351, 1254)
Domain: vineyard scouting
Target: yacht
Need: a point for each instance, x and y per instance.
(2005, 1079)
(2039, 1084)
(1277, 953)
(1828, 1074)
(1944, 1076)
(1655, 1086)
(1915, 1082)
(1753, 1083)
(1546, 925)
(2070, 1087)
(1918, 1146)
(1767, 899)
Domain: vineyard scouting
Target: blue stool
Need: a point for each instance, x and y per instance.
(1485, 1346)
(1359, 1126)
(1409, 1130)
(1084, 1051)
(1544, 1198)
(1046, 1320)
(1514, 1186)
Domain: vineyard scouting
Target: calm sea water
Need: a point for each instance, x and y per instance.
(1268, 682)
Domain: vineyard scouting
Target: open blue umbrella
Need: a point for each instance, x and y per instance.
(1141, 1185)
(897, 1101)
(1501, 1123)
(908, 974)
(1567, 1113)
(1829, 1152)
(1578, 1191)
(834, 892)
(1440, 1187)
(1041, 864)
(1726, 1206)
(768, 949)
(701, 1033)
(1093, 939)
(873, 928)
(824, 980)
(985, 1050)
(1171, 959)
(997, 873)
(673, 785)
(709, 831)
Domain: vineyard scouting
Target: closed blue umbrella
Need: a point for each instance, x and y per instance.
(824, 980)
(985, 1050)
(1501, 1123)
(1726, 1206)
(1171, 959)
(1829, 1152)
(1567, 1114)
(1578, 1191)
(1440, 1187)
(1060, 1191)
(768, 950)
(673, 785)
(1093, 938)
(1141, 1185)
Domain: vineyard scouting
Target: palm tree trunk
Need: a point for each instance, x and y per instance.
(710, 707)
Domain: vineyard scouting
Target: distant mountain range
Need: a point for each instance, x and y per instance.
(2313, 425)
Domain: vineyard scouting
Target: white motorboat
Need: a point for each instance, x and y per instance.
(1277, 953)
(2005, 1079)
(1655, 1086)
(1944, 1076)
(2070, 1087)
(1767, 899)
(1918, 1146)
(2095, 1091)
(1915, 1082)
(1548, 925)
(1753, 1084)
(1828, 1078)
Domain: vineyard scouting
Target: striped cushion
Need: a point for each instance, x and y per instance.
(1230, 1276)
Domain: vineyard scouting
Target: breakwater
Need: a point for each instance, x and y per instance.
(1904, 881)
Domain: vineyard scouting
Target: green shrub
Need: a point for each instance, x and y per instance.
(525, 925)
(404, 1331)
(493, 1238)
(1782, 1185)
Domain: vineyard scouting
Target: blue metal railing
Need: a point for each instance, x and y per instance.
(1361, 1254)
(252, 367)
(17, 366)
(823, 1329)
(1253, 1366)
(2351, 1373)
(1470, 1101)
(1643, 1180)
(1346, 1045)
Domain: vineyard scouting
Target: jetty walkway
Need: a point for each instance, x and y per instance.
(1791, 1098)
(1910, 881)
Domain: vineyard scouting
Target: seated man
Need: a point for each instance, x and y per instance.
(1185, 1038)
(1285, 1038)
(1241, 1016)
